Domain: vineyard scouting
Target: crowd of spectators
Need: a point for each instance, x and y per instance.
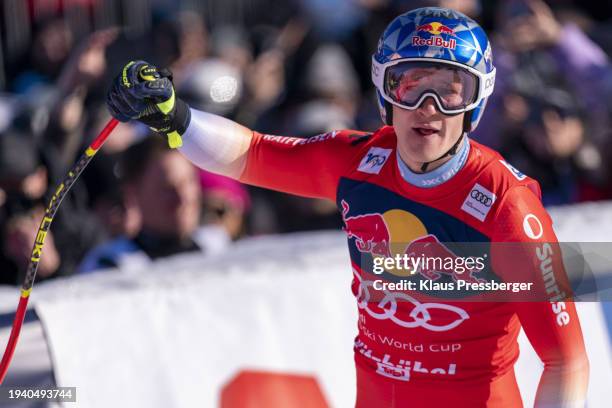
(299, 68)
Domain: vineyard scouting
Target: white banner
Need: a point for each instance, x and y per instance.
(176, 334)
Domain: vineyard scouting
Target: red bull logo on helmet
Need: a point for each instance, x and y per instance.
(435, 29)
(398, 233)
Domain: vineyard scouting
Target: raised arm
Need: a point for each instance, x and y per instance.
(216, 144)
(309, 167)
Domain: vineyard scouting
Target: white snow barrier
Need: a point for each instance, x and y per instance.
(175, 334)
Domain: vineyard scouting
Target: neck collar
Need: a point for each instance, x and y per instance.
(439, 175)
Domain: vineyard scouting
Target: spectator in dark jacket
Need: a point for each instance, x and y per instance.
(164, 186)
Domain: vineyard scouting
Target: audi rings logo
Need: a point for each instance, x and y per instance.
(481, 197)
(419, 316)
(478, 202)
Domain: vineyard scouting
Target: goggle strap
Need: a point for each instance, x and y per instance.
(377, 73)
(489, 81)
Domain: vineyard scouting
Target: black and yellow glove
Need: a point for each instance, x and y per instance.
(144, 93)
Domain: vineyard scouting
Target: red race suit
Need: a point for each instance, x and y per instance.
(422, 348)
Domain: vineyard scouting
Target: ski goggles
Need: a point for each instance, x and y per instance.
(454, 87)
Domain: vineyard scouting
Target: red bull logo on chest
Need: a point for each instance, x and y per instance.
(399, 233)
(369, 231)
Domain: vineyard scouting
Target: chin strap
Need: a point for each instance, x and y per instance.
(388, 114)
(451, 152)
(467, 124)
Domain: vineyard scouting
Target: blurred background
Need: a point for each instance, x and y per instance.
(296, 67)
(291, 67)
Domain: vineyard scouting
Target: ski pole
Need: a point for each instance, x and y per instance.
(39, 241)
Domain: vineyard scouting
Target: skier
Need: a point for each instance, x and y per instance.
(417, 180)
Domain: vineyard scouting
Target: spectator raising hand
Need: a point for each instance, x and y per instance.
(564, 135)
(88, 62)
(531, 25)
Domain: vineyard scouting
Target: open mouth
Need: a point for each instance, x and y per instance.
(424, 131)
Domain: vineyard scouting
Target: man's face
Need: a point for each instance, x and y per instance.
(169, 196)
(424, 134)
